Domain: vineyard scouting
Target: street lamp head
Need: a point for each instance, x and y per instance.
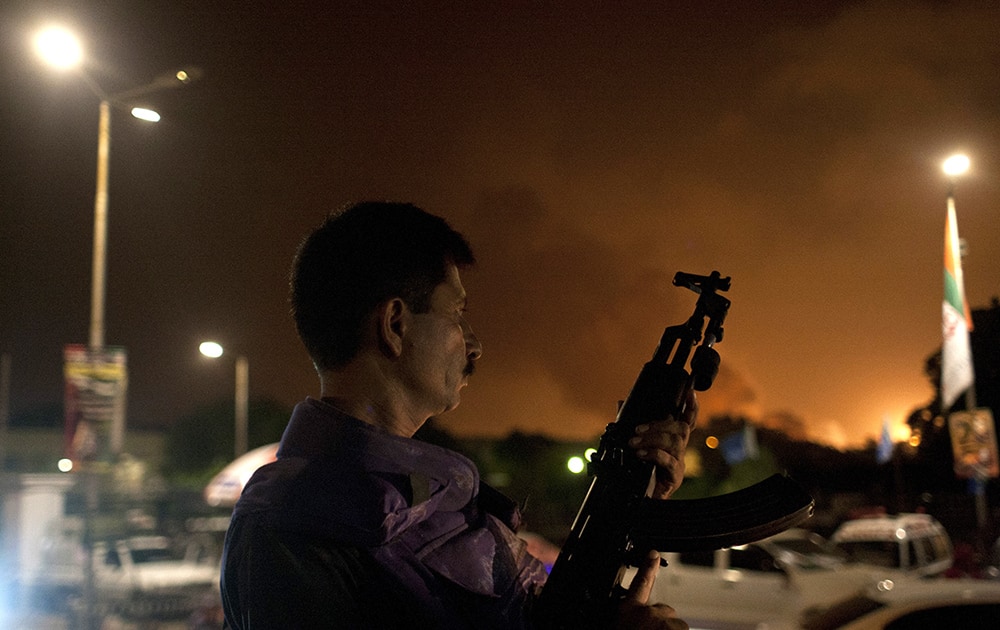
(187, 75)
(59, 48)
(167, 80)
(956, 165)
(210, 349)
(143, 113)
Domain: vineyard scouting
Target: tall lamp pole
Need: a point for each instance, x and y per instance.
(955, 166)
(241, 413)
(60, 49)
(242, 407)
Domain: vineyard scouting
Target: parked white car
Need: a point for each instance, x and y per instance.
(803, 548)
(148, 564)
(742, 587)
(930, 603)
(136, 576)
(912, 544)
(775, 583)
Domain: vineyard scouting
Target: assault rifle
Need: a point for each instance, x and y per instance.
(618, 524)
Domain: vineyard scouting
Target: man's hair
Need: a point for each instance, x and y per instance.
(358, 258)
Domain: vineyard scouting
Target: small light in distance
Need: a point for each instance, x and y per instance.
(576, 464)
(65, 465)
(712, 442)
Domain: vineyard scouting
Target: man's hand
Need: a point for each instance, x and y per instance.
(634, 611)
(663, 443)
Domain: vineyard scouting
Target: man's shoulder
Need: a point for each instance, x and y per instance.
(266, 535)
(261, 548)
(276, 574)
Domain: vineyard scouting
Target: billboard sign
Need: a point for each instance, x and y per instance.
(974, 444)
(96, 384)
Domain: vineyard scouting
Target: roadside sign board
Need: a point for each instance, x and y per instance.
(96, 384)
(974, 444)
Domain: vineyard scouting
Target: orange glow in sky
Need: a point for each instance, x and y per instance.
(588, 156)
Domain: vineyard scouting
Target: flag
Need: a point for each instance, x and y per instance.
(737, 447)
(956, 355)
(883, 452)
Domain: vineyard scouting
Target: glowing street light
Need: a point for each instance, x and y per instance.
(576, 465)
(210, 349)
(59, 48)
(143, 113)
(214, 350)
(956, 165)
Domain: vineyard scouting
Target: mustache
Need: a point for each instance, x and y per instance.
(470, 368)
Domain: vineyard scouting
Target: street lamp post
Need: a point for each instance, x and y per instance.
(961, 350)
(241, 413)
(98, 269)
(62, 50)
(242, 405)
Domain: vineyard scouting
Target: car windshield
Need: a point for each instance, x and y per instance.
(144, 555)
(804, 546)
(808, 553)
(879, 553)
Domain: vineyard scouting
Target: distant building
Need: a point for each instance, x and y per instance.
(38, 450)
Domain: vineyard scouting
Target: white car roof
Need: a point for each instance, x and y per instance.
(886, 527)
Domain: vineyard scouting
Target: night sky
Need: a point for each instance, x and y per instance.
(588, 150)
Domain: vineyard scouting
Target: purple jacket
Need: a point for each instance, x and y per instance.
(353, 526)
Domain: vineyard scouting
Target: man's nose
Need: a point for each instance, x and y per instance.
(473, 348)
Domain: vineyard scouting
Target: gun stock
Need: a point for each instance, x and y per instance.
(617, 523)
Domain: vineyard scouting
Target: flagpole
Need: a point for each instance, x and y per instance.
(957, 372)
(953, 167)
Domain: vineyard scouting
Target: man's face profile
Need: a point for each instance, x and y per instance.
(440, 349)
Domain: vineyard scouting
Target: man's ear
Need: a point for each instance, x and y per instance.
(391, 323)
